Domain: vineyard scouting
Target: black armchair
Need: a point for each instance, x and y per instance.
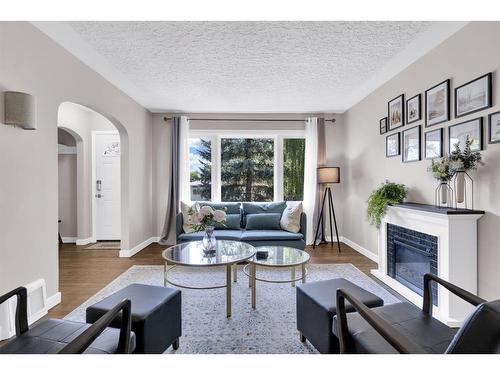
(404, 328)
(67, 337)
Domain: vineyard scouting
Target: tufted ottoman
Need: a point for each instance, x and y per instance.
(156, 315)
(316, 307)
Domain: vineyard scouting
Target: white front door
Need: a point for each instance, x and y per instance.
(107, 185)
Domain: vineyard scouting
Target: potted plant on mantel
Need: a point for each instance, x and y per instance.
(461, 162)
(443, 172)
(387, 194)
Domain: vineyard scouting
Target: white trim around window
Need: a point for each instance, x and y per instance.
(215, 137)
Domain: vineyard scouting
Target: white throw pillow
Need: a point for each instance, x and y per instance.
(290, 219)
(186, 218)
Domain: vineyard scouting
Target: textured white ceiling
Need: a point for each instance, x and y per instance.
(251, 66)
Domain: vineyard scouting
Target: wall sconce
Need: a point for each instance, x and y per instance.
(19, 110)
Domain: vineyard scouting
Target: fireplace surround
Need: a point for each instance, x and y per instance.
(451, 234)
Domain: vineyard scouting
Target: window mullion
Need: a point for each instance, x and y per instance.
(278, 168)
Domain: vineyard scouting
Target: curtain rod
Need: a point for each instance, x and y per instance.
(246, 119)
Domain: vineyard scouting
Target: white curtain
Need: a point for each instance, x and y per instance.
(310, 174)
(184, 189)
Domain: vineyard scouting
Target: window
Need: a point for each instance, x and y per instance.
(257, 166)
(247, 169)
(200, 162)
(293, 169)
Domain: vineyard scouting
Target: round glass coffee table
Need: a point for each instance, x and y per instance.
(278, 257)
(191, 254)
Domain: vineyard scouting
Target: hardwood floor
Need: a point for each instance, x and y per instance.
(82, 272)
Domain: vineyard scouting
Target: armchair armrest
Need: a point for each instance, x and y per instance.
(21, 317)
(401, 343)
(83, 341)
(462, 293)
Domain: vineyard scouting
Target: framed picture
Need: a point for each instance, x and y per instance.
(383, 125)
(395, 114)
(413, 109)
(473, 96)
(392, 145)
(437, 104)
(434, 144)
(458, 134)
(494, 125)
(411, 144)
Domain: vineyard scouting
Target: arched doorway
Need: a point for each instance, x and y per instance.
(102, 170)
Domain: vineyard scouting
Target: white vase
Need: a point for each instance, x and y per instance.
(460, 180)
(444, 193)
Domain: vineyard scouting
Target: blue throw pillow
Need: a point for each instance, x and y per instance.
(267, 221)
(264, 208)
(232, 222)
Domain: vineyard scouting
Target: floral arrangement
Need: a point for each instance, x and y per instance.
(466, 160)
(389, 193)
(206, 217)
(442, 169)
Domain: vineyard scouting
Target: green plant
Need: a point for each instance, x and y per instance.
(388, 193)
(441, 169)
(465, 160)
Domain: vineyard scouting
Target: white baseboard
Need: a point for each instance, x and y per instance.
(54, 300)
(84, 241)
(360, 249)
(128, 253)
(69, 239)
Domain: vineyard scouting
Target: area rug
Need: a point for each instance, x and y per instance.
(107, 245)
(270, 328)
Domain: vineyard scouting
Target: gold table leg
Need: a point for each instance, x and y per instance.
(253, 273)
(303, 273)
(235, 272)
(228, 290)
(293, 276)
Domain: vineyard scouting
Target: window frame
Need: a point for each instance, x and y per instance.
(216, 135)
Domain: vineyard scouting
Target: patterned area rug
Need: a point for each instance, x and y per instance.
(270, 328)
(107, 245)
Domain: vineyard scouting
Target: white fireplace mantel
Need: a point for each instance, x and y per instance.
(456, 231)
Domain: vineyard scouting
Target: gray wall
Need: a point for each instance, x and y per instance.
(470, 53)
(67, 195)
(33, 63)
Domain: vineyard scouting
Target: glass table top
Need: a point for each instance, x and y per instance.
(281, 256)
(191, 253)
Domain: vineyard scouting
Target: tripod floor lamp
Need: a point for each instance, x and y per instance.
(327, 176)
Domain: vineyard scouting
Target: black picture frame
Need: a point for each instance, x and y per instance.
(489, 87)
(447, 103)
(440, 131)
(398, 135)
(383, 125)
(402, 122)
(490, 117)
(419, 137)
(462, 124)
(419, 106)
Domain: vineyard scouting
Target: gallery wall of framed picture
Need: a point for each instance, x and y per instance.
(421, 141)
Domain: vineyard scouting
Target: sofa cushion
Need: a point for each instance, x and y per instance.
(229, 207)
(221, 234)
(290, 219)
(263, 208)
(233, 221)
(186, 217)
(262, 235)
(269, 221)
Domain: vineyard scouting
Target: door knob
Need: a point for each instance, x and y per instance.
(98, 195)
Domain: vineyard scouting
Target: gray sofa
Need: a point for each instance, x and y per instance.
(253, 223)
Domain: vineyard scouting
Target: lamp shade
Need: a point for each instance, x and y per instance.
(19, 109)
(328, 175)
